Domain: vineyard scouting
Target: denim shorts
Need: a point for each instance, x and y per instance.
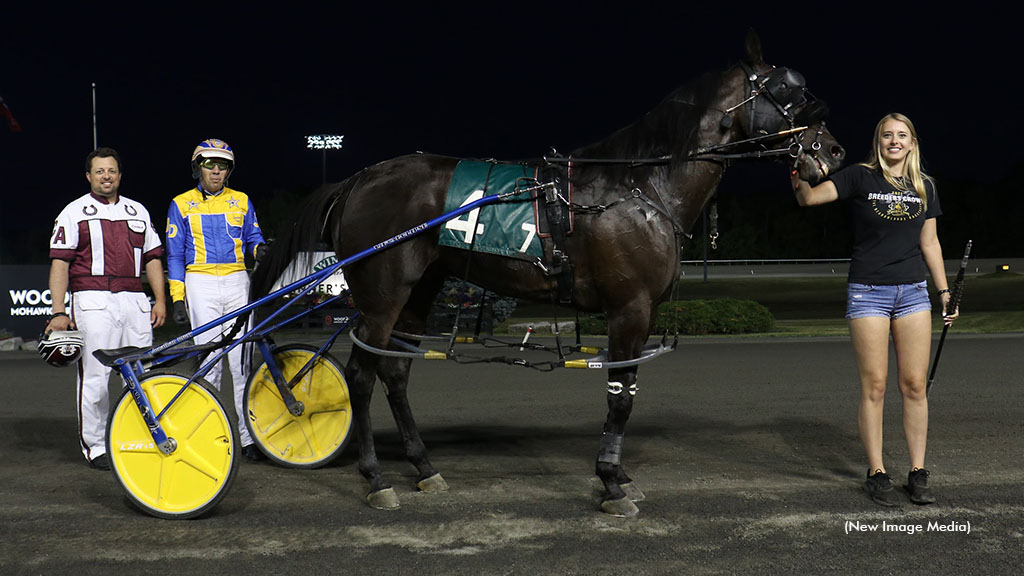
(895, 301)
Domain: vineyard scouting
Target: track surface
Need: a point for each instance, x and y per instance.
(747, 449)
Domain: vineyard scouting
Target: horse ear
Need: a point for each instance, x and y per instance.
(754, 53)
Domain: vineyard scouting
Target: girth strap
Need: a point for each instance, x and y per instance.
(556, 212)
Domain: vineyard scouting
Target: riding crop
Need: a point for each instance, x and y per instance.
(956, 292)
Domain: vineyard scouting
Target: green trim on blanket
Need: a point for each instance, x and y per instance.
(506, 228)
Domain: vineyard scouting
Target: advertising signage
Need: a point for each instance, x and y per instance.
(26, 300)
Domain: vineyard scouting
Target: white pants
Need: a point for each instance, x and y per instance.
(208, 298)
(107, 320)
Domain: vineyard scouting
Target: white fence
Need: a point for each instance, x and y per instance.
(796, 267)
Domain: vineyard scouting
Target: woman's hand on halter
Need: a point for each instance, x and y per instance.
(806, 195)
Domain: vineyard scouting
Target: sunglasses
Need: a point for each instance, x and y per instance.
(211, 163)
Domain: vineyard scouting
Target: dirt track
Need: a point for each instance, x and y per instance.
(747, 450)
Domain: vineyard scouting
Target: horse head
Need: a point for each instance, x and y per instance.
(777, 116)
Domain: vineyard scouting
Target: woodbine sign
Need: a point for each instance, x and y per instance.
(27, 303)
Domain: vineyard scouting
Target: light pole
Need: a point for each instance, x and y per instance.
(324, 142)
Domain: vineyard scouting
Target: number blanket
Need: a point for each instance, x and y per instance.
(507, 228)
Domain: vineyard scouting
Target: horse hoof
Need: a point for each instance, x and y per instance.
(434, 483)
(621, 508)
(385, 499)
(633, 492)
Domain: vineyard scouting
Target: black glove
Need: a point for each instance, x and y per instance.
(180, 313)
(261, 251)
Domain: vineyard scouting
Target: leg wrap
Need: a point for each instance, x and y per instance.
(611, 449)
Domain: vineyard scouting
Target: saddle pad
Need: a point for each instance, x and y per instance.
(506, 228)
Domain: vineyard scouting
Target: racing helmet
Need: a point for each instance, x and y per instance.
(212, 148)
(61, 347)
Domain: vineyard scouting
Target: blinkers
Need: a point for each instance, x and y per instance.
(786, 89)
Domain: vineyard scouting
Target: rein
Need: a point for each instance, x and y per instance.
(706, 153)
(702, 153)
(765, 83)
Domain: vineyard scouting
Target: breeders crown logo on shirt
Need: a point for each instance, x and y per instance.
(897, 206)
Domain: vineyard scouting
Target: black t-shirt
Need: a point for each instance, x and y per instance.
(887, 226)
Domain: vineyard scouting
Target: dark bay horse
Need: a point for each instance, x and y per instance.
(652, 178)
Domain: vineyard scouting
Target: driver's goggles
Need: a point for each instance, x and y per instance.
(211, 163)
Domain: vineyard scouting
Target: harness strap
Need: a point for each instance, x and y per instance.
(713, 217)
(557, 214)
(465, 276)
(599, 360)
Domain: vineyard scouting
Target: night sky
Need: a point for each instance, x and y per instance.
(506, 81)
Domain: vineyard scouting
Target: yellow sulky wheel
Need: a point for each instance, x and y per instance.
(321, 431)
(193, 478)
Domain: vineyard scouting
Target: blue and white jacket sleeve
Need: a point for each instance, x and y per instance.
(176, 233)
(251, 232)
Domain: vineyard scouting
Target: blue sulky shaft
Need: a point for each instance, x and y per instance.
(312, 280)
(325, 273)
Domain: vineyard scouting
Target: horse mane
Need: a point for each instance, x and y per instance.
(299, 243)
(671, 129)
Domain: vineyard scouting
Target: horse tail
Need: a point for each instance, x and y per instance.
(297, 244)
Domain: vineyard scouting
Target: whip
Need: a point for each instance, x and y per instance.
(956, 292)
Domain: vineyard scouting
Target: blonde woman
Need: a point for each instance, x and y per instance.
(893, 206)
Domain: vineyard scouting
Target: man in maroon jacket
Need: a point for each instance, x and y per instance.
(101, 243)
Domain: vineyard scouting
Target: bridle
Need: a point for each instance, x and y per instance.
(786, 92)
